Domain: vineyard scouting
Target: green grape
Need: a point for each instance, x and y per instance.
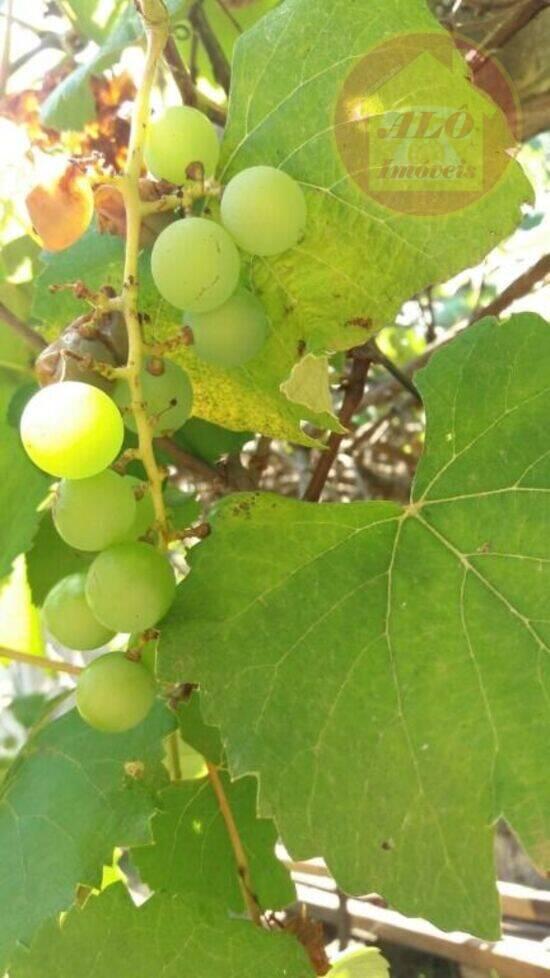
(114, 694)
(264, 210)
(231, 335)
(69, 619)
(168, 396)
(195, 264)
(145, 509)
(71, 430)
(179, 137)
(130, 587)
(92, 514)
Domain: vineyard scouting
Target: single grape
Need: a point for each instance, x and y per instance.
(130, 587)
(210, 441)
(167, 395)
(93, 513)
(114, 694)
(71, 430)
(264, 210)
(231, 335)
(195, 264)
(179, 137)
(145, 510)
(61, 205)
(69, 619)
(65, 359)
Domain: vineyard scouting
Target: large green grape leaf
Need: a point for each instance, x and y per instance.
(192, 852)
(64, 806)
(358, 260)
(409, 646)
(22, 485)
(175, 937)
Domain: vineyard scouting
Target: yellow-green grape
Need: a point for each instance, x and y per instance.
(195, 264)
(167, 396)
(264, 210)
(72, 430)
(145, 509)
(92, 514)
(179, 137)
(130, 587)
(69, 618)
(231, 335)
(114, 694)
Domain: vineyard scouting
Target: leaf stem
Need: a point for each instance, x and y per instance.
(40, 661)
(243, 869)
(156, 22)
(17, 325)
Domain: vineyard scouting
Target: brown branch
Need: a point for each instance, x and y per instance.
(497, 39)
(22, 329)
(243, 868)
(361, 359)
(187, 462)
(402, 378)
(519, 288)
(216, 55)
(189, 94)
(40, 662)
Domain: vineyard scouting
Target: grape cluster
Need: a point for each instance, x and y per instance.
(72, 429)
(196, 262)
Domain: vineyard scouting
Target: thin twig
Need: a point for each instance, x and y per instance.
(187, 462)
(504, 32)
(216, 55)
(40, 661)
(243, 868)
(189, 94)
(355, 390)
(223, 6)
(519, 288)
(26, 332)
(403, 379)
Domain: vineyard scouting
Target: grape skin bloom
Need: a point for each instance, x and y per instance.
(179, 137)
(69, 618)
(195, 264)
(92, 514)
(114, 694)
(264, 210)
(130, 587)
(231, 335)
(71, 430)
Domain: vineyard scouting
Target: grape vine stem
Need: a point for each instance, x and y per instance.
(155, 18)
(39, 661)
(243, 868)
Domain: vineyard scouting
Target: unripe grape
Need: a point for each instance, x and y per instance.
(130, 587)
(65, 359)
(71, 430)
(69, 618)
(179, 137)
(167, 396)
(264, 210)
(195, 264)
(94, 513)
(232, 334)
(114, 694)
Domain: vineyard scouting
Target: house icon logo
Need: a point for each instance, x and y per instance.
(414, 132)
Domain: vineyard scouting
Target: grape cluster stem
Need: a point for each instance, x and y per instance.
(157, 27)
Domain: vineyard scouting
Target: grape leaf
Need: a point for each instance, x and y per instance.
(195, 732)
(288, 76)
(50, 559)
(169, 936)
(409, 645)
(192, 854)
(22, 485)
(64, 806)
